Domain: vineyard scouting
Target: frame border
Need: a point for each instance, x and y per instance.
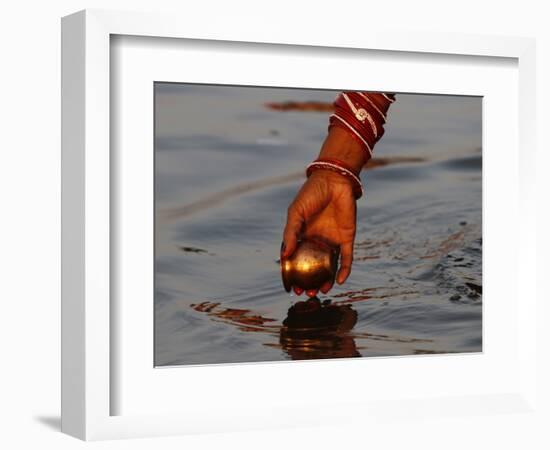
(85, 189)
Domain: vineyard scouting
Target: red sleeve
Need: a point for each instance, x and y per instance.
(362, 115)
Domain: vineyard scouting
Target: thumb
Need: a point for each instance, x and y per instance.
(346, 260)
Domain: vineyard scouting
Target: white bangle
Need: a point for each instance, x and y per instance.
(358, 186)
(373, 105)
(361, 114)
(354, 131)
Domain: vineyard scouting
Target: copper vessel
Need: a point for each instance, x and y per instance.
(312, 264)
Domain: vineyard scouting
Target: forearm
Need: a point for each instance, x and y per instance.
(341, 146)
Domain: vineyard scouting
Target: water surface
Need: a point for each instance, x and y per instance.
(227, 167)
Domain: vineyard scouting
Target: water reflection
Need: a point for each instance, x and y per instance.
(315, 330)
(311, 330)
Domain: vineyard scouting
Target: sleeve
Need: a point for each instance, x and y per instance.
(362, 115)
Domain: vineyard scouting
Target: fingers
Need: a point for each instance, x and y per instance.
(309, 293)
(313, 292)
(326, 287)
(346, 259)
(293, 226)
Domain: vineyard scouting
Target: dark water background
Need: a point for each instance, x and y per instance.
(226, 169)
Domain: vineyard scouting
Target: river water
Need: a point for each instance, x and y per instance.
(226, 168)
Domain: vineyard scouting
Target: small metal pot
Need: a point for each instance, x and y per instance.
(312, 264)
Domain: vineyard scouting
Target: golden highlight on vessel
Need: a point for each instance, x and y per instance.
(312, 264)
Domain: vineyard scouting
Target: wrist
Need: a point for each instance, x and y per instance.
(331, 178)
(341, 170)
(341, 146)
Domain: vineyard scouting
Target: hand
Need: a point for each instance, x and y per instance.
(324, 208)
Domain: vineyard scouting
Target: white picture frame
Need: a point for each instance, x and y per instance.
(89, 328)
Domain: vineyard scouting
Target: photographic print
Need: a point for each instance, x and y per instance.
(296, 224)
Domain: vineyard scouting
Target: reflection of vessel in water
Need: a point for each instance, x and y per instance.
(314, 330)
(311, 330)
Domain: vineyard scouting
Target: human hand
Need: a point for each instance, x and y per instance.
(324, 208)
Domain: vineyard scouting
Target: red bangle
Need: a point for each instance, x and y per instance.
(341, 168)
(339, 163)
(364, 134)
(333, 122)
(362, 115)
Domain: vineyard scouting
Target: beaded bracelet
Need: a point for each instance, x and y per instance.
(339, 167)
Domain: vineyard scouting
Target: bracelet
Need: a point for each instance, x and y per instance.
(362, 115)
(335, 122)
(344, 122)
(367, 99)
(339, 167)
